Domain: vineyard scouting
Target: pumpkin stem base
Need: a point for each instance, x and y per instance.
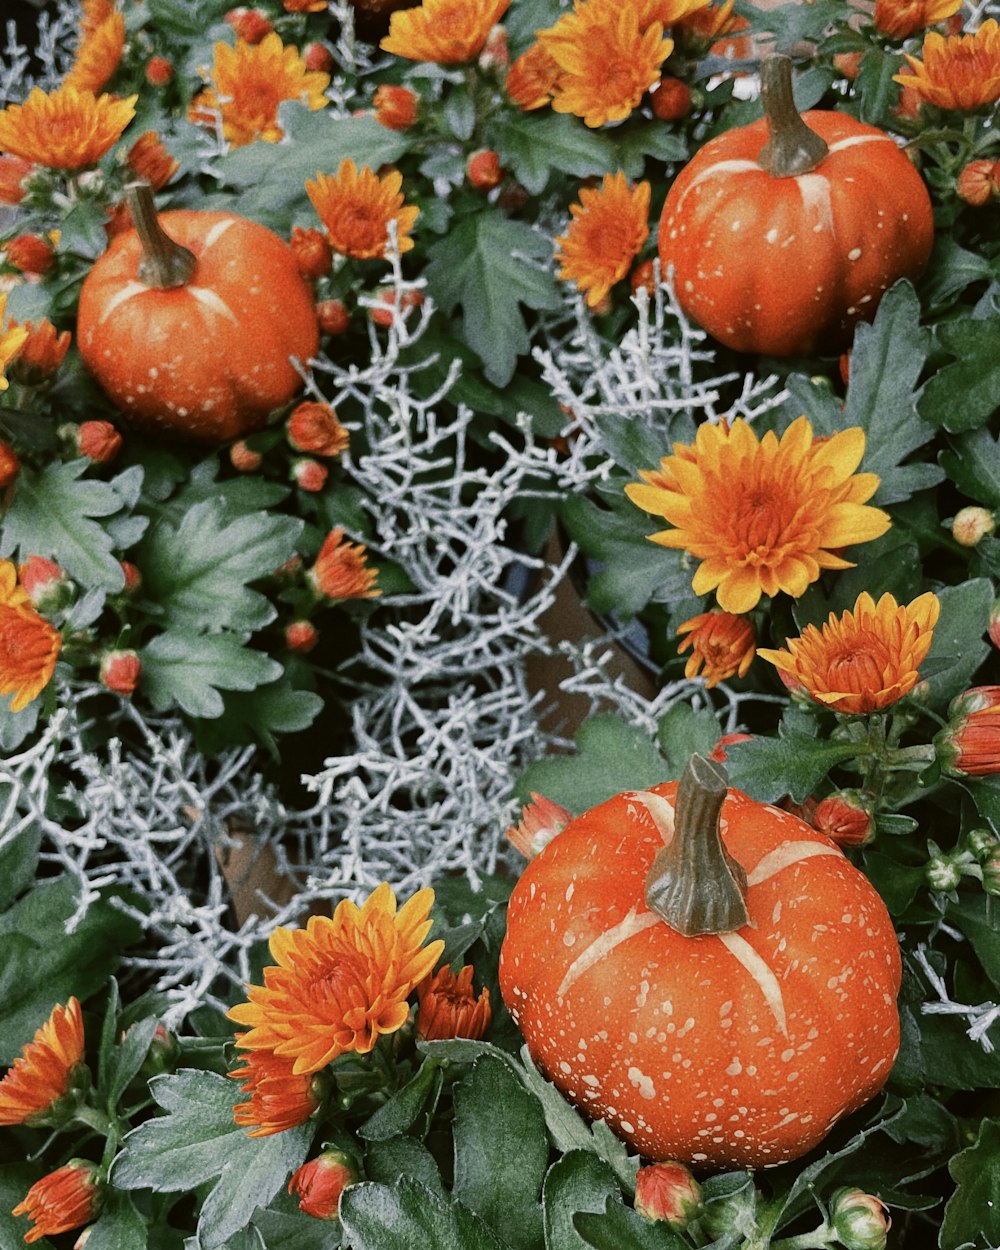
(694, 884)
(164, 263)
(792, 147)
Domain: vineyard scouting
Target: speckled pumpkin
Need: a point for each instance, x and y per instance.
(731, 1049)
(785, 258)
(206, 358)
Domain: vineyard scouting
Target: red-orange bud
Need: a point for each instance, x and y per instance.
(301, 636)
(250, 25)
(667, 1192)
(312, 251)
(120, 671)
(45, 582)
(332, 316)
(319, 1183)
(30, 253)
(41, 354)
(314, 428)
(318, 57)
(13, 172)
(979, 182)
(541, 820)
(62, 1200)
(483, 169)
(243, 458)
(845, 817)
(10, 465)
(98, 441)
(396, 108)
(310, 475)
(384, 312)
(448, 1007)
(159, 71)
(670, 99)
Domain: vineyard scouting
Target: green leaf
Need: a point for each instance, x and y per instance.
(684, 732)
(294, 1231)
(579, 1181)
(633, 144)
(612, 756)
(973, 464)
(965, 393)
(15, 1181)
(189, 669)
(198, 572)
(973, 916)
(620, 1228)
(484, 265)
(501, 1152)
(401, 1110)
(127, 1058)
(886, 362)
(52, 515)
(408, 1215)
(958, 638)
(972, 1215)
(197, 1141)
(403, 1156)
(264, 713)
(18, 858)
(532, 146)
(120, 1226)
(793, 763)
(951, 269)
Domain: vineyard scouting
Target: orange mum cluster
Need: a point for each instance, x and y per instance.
(357, 207)
(29, 645)
(957, 72)
(608, 230)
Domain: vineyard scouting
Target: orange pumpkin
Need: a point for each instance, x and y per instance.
(737, 1042)
(785, 233)
(189, 322)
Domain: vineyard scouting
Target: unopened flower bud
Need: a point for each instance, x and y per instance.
(541, 820)
(62, 1200)
(396, 108)
(332, 317)
(991, 872)
(312, 251)
(389, 300)
(162, 1054)
(670, 99)
(978, 182)
(301, 636)
(14, 172)
(41, 354)
(314, 427)
(319, 1183)
(133, 578)
(972, 524)
(309, 475)
(846, 817)
(10, 465)
(243, 458)
(30, 253)
(159, 71)
(969, 745)
(250, 25)
(120, 671)
(318, 57)
(942, 873)
(495, 54)
(667, 1191)
(47, 585)
(99, 441)
(483, 169)
(848, 64)
(861, 1221)
(981, 843)
(643, 277)
(448, 1007)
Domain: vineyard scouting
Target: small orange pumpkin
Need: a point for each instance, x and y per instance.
(785, 233)
(706, 973)
(189, 322)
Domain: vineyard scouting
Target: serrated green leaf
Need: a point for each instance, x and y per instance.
(484, 266)
(119, 1226)
(973, 464)
(958, 639)
(264, 714)
(197, 1141)
(52, 515)
(951, 269)
(579, 1181)
(198, 572)
(972, 1216)
(795, 764)
(501, 1152)
(653, 139)
(190, 669)
(683, 731)
(398, 1112)
(403, 1156)
(964, 394)
(612, 756)
(532, 146)
(407, 1215)
(618, 1227)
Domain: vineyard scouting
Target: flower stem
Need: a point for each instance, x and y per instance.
(819, 1239)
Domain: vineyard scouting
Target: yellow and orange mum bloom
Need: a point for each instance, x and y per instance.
(29, 645)
(449, 1007)
(762, 516)
(12, 341)
(102, 42)
(248, 83)
(865, 659)
(65, 1199)
(356, 208)
(901, 18)
(607, 231)
(66, 128)
(533, 79)
(279, 1099)
(958, 72)
(607, 61)
(448, 32)
(340, 983)
(723, 646)
(43, 351)
(149, 160)
(42, 1073)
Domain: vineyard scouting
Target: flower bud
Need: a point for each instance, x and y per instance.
(13, 173)
(30, 253)
(718, 752)
(159, 71)
(10, 465)
(150, 161)
(41, 354)
(62, 1200)
(972, 524)
(848, 64)
(981, 843)
(541, 820)
(250, 25)
(162, 1054)
(448, 1006)
(309, 475)
(243, 458)
(301, 636)
(978, 182)
(396, 108)
(483, 169)
(942, 873)
(312, 251)
(120, 671)
(643, 276)
(319, 1183)
(99, 441)
(47, 585)
(495, 54)
(332, 316)
(670, 99)
(668, 1192)
(969, 745)
(991, 872)
(846, 817)
(861, 1221)
(133, 578)
(314, 427)
(318, 58)
(389, 300)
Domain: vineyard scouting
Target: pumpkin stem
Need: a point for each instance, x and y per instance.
(164, 263)
(792, 147)
(694, 884)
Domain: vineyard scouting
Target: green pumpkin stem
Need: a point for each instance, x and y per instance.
(792, 147)
(694, 884)
(164, 263)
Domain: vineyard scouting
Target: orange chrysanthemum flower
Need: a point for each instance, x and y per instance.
(149, 160)
(65, 1199)
(29, 645)
(99, 52)
(532, 80)
(447, 32)
(959, 72)
(607, 231)
(66, 128)
(863, 660)
(448, 1007)
(724, 646)
(248, 83)
(764, 516)
(43, 352)
(306, 6)
(357, 207)
(279, 1099)
(43, 1072)
(342, 982)
(901, 18)
(607, 61)
(12, 341)
(666, 12)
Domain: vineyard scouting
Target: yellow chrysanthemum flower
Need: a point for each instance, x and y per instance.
(607, 60)
(958, 72)
(99, 52)
(11, 341)
(65, 128)
(356, 208)
(29, 645)
(901, 18)
(248, 83)
(762, 516)
(447, 32)
(863, 660)
(340, 983)
(606, 233)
